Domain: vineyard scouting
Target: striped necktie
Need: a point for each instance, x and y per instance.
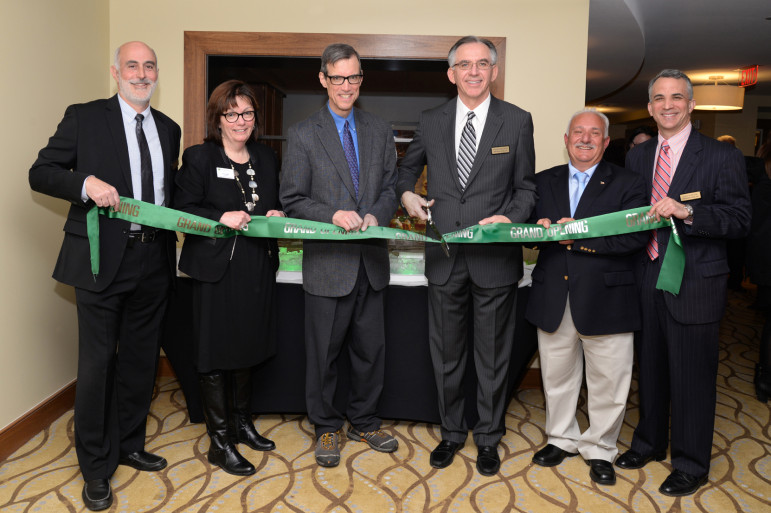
(662, 177)
(467, 150)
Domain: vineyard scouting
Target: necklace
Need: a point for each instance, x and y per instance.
(252, 184)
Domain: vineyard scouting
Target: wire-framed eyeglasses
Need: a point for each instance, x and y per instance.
(467, 65)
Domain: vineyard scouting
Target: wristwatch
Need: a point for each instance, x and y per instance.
(688, 209)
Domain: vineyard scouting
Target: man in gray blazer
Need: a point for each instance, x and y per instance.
(480, 157)
(340, 168)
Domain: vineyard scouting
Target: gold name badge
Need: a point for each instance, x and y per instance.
(690, 196)
(500, 149)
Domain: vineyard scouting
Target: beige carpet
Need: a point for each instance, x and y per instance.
(43, 475)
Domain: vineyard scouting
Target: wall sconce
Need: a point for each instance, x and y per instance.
(718, 96)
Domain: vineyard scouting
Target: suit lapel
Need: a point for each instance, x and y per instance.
(115, 123)
(601, 177)
(560, 191)
(492, 126)
(686, 166)
(330, 140)
(365, 141)
(168, 172)
(448, 139)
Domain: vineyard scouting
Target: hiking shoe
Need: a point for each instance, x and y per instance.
(328, 449)
(378, 440)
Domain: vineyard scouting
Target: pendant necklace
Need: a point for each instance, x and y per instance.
(252, 184)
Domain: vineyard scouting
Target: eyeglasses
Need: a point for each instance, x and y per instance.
(338, 80)
(467, 65)
(232, 117)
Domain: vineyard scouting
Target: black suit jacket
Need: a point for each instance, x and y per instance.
(200, 192)
(500, 182)
(91, 140)
(598, 273)
(715, 172)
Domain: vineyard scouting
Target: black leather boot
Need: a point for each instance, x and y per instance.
(240, 415)
(222, 452)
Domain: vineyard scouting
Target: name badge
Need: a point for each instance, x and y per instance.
(500, 149)
(690, 196)
(224, 172)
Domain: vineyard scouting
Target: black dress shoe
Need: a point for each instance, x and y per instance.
(97, 494)
(442, 456)
(680, 483)
(602, 472)
(488, 461)
(143, 460)
(631, 460)
(551, 455)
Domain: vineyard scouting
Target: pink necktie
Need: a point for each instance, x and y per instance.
(661, 180)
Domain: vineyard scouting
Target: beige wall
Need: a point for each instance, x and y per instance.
(545, 46)
(57, 52)
(53, 54)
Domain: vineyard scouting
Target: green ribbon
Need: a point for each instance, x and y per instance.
(627, 221)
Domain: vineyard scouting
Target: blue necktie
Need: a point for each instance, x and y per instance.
(577, 186)
(350, 156)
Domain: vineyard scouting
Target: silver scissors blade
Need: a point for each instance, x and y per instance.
(442, 242)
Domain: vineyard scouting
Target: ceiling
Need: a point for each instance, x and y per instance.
(632, 40)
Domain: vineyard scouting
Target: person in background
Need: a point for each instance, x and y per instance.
(639, 135)
(481, 160)
(340, 168)
(759, 270)
(229, 178)
(584, 299)
(103, 150)
(701, 185)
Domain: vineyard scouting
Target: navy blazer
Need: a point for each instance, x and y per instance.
(598, 273)
(500, 182)
(715, 173)
(200, 192)
(91, 140)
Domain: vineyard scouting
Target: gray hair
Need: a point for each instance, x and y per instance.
(602, 116)
(472, 39)
(338, 52)
(116, 56)
(671, 73)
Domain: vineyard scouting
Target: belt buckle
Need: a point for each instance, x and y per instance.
(148, 236)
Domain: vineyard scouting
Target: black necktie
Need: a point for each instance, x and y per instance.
(148, 193)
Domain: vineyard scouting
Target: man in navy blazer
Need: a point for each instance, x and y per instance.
(340, 168)
(708, 200)
(584, 299)
(493, 185)
(95, 157)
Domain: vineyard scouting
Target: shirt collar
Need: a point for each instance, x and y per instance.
(589, 172)
(340, 121)
(677, 141)
(461, 111)
(128, 112)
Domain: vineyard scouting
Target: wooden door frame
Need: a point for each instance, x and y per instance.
(200, 44)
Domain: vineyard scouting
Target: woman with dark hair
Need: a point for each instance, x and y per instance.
(759, 270)
(229, 178)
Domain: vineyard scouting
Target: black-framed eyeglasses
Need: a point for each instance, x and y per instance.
(338, 80)
(467, 65)
(232, 117)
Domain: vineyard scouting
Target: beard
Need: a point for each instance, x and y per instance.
(133, 96)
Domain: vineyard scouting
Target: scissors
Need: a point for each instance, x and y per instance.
(442, 242)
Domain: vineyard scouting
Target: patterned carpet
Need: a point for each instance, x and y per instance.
(43, 475)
